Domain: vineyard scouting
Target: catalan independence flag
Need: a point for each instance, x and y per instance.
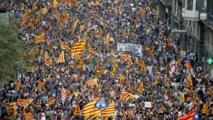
(205, 108)
(64, 46)
(89, 110)
(109, 111)
(91, 51)
(12, 108)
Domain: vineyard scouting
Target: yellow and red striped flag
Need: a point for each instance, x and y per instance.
(78, 47)
(140, 87)
(126, 96)
(64, 94)
(109, 111)
(51, 101)
(77, 110)
(90, 110)
(24, 102)
(61, 58)
(48, 62)
(205, 108)
(107, 40)
(126, 58)
(64, 46)
(28, 116)
(91, 51)
(114, 68)
(92, 83)
(39, 38)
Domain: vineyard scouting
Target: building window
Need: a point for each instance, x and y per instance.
(189, 4)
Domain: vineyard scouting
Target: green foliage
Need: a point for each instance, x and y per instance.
(11, 53)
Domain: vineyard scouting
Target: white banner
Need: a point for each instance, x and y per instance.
(135, 49)
(148, 105)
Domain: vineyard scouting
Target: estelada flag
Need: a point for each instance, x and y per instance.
(92, 83)
(61, 58)
(109, 111)
(90, 109)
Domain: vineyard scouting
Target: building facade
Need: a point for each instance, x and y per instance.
(193, 19)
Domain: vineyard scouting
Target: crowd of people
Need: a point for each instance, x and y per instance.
(75, 60)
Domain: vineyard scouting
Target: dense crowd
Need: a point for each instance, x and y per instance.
(56, 85)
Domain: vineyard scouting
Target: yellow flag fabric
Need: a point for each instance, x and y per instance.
(61, 58)
(140, 88)
(114, 69)
(43, 11)
(24, 102)
(55, 3)
(64, 46)
(126, 96)
(39, 38)
(109, 111)
(182, 98)
(78, 47)
(90, 109)
(48, 62)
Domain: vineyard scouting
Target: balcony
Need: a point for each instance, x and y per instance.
(209, 21)
(190, 14)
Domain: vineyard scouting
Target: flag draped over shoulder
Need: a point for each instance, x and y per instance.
(109, 111)
(51, 101)
(39, 38)
(126, 96)
(90, 110)
(24, 102)
(78, 47)
(61, 58)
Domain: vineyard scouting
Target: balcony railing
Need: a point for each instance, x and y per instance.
(190, 14)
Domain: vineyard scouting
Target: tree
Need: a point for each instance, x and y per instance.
(11, 53)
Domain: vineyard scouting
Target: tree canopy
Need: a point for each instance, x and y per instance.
(11, 53)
